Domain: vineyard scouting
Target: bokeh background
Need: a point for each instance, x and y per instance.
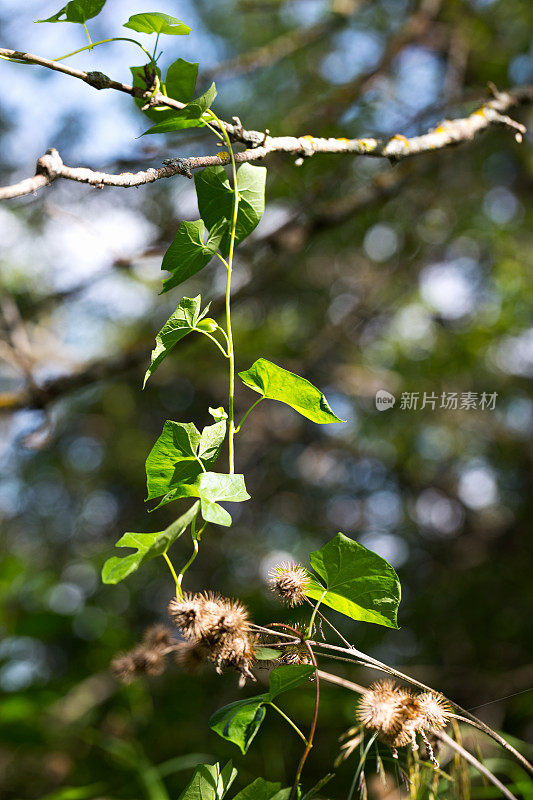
(362, 276)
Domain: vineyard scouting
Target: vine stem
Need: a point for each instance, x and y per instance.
(104, 41)
(229, 265)
(173, 571)
(209, 336)
(313, 615)
(195, 538)
(88, 36)
(155, 47)
(291, 723)
(239, 426)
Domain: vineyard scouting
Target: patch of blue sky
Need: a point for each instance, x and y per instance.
(355, 52)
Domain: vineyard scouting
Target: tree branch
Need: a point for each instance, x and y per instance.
(50, 166)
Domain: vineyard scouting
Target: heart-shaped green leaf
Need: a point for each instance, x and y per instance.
(239, 722)
(172, 460)
(188, 253)
(215, 199)
(156, 22)
(276, 383)
(359, 583)
(212, 487)
(180, 80)
(283, 679)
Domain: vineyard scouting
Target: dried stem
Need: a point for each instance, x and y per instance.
(481, 768)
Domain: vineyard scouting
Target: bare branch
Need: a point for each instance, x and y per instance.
(449, 132)
(481, 768)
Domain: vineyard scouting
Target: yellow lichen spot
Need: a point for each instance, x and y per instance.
(401, 138)
(308, 136)
(342, 139)
(367, 145)
(126, 174)
(479, 113)
(439, 129)
(224, 156)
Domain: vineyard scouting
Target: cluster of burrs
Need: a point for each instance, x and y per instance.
(214, 628)
(398, 715)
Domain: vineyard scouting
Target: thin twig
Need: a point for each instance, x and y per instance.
(353, 687)
(481, 768)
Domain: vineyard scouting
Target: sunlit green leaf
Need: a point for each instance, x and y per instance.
(191, 116)
(239, 722)
(172, 460)
(179, 84)
(183, 321)
(209, 782)
(215, 199)
(276, 383)
(188, 253)
(211, 441)
(263, 790)
(147, 545)
(156, 22)
(212, 487)
(218, 413)
(77, 11)
(359, 583)
(180, 80)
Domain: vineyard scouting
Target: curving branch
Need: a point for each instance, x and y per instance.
(260, 144)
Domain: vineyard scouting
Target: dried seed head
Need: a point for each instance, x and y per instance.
(208, 616)
(123, 667)
(231, 617)
(290, 582)
(296, 652)
(217, 630)
(193, 615)
(434, 711)
(236, 652)
(190, 655)
(158, 636)
(139, 661)
(390, 710)
(150, 661)
(186, 614)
